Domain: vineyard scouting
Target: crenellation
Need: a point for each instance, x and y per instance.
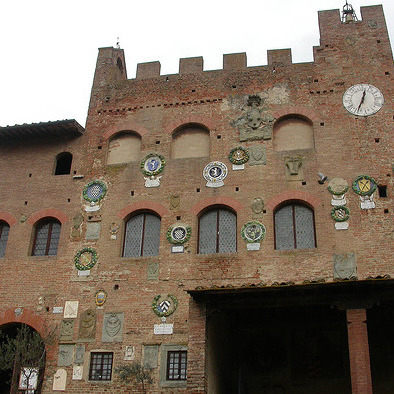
(279, 57)
(148, 70)
(234, 61)
(191, 65)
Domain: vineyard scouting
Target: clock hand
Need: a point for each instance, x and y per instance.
(362, 100)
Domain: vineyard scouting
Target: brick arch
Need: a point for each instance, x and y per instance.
(202, 120)
(293, 195)
(140, 205)
(125, 125)
(7, 217)
(207, 202)
(27, 317)
(297, 110)
(55, 213)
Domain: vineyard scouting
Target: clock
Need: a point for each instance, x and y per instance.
(363, 99)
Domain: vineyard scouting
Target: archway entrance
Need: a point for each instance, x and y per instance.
(22, 359)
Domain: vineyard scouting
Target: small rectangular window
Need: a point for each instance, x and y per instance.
(100, 366)
(382, 191)
(176, 365)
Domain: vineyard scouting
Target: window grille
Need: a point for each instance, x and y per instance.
(176, 365)
(4, 231)
(217, 232)
(294, 227)
(142, 236)
(100, 366)
(46, 238)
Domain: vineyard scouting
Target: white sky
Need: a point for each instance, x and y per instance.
(50, 46)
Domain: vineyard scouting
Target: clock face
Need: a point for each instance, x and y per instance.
(363, 99)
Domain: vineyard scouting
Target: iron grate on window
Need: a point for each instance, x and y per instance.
(46, 239)
(142, 236)
(100, 366)
(176, 365)
(4, 231)
(217, 232)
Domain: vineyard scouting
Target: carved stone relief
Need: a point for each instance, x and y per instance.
(66, 330)
(256, 123)
(113, 327)
(257, 155)
(93, 230)
(257, 205)
(151, 355)
(76, 228)
(175, 201)
(294, 168)
(153, 271)
(79, 354)
(345, 266)
(87, 325)
(65, 357)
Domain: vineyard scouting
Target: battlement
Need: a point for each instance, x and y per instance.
(340, 43)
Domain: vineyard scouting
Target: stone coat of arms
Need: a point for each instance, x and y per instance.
(256, 123)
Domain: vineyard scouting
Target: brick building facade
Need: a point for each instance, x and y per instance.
(232, 229)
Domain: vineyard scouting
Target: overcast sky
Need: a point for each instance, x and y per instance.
(49, 48)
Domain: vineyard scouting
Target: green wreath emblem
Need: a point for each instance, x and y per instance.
(175, 241)
(158, 170)
(156, 308)
(87, 194)
(371, 189)
(241, 160)
(253, 231)
(340, 214)
(90, 264)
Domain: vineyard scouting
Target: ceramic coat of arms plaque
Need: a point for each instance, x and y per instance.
(214, 173)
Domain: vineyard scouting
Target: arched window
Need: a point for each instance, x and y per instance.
(293, 132)
(63, 163)
(124, 147)
(142, 235)
(4, 230)
(217, 232)
(191, 140)
(294, 226)
(46, 237)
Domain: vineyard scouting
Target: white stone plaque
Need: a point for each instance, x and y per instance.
(238, 167)
(71, 309)
(83, 272)
(338, 202)
(341, 225)
(77, 372)
(59, 380)
(129, 353)
(163, 329)
(152, 181)
(57, 309)
(253, 246)
(367, 205)
(92, 208)
(177, 249)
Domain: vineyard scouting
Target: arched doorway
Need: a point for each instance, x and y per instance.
(22, 359)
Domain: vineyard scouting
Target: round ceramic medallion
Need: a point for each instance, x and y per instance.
(340, 214)
(238, 155)
(152, 164)
(94, 191)
(85, 259)
(164, 305)
(178, 234)
(100, 297)
(214, 173)
(253, 231)
(338, 186)
(364, 185)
